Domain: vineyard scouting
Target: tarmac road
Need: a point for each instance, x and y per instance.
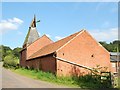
(13, 80)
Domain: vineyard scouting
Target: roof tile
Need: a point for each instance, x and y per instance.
(52, 47)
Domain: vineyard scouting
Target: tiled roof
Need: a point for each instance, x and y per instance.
(42, 41)
(38, 44)
(52, 47)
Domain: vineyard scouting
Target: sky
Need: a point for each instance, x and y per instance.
(58, 20)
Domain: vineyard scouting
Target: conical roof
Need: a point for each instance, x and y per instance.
(32, 34)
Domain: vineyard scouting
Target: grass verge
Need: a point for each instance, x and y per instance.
(46, 76)
(119, 82)
(86, 81)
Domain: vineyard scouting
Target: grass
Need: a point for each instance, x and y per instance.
(82, 82)
(119, 82)
(46, 76)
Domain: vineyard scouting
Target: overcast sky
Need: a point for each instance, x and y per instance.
(58, 20)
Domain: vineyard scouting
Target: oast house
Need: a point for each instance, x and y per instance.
(75, 54)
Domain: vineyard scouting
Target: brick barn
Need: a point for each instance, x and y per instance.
(76, 54)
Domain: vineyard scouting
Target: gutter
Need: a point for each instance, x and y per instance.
(29, 58)
(22, 50)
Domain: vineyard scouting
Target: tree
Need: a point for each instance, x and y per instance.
(16, 51)
(4, 51)
(10, 61)
(116, 42)
(112, 46)
(104, 44)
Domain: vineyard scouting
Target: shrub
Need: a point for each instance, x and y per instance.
(11, 61)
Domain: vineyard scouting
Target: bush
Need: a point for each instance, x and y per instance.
(91, 81)
(10, 61)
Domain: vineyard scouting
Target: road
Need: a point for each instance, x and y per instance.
(13, 80)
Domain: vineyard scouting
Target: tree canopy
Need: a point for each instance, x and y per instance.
(112, 46)
(6, 51)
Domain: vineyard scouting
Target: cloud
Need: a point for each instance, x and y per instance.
(48, 35)
(10, 24)
(58, 37)
(105, 35)
(15, 20)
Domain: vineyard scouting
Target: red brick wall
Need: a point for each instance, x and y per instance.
(37, 45)
(66, 69)
(23, 58)
(83, 50)
(46, 64)
(33, 63)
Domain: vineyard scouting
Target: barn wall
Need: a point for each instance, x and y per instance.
(37, 45)
(66, 69)
(46, 64)
(34, 64)
(23, 58)
(83, 50)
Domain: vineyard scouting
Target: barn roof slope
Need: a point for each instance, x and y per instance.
(42, 41)
(53, 46)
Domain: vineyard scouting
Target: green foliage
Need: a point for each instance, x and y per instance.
(10, 61)
(9, 56)
(112, 46)
(16, 51)
(5, 50)
(86, 81)
(119, 82)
